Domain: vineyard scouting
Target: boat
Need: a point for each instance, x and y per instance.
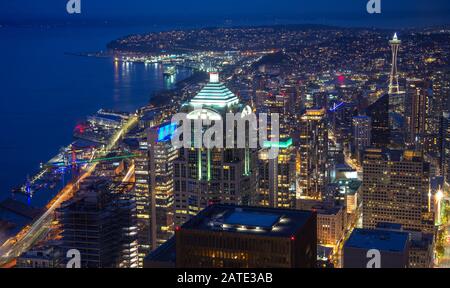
(169, 71)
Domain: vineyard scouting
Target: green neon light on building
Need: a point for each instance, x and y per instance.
(199, 164)
(281, 144)
(209, 165)
(247, 162)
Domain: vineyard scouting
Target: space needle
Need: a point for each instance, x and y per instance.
(394, 87)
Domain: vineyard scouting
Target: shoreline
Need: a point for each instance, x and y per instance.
(158, 99)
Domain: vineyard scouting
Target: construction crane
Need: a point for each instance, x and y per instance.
(75, 163)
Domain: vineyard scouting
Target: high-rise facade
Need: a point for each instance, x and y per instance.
(162, 155)
(313, 152)
(341, 116)
(395, 190)
(446, 147)
(142, 195)
(100, 222)
(204, 176)
(362, 132)
(379, 113)
(417, 105)
(276, 177)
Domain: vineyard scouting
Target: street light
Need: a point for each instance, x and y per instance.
(439, 196)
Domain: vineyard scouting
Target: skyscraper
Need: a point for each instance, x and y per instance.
(362, 129)
(417, 106)
(313, 152)
(394, 86)
(161, 170)
(446, 147)
(276, 177)
(100, 222)
(142, 195)
(438, 105)
(341, 116)
(218, 175)
(379, 113)
(395, 190)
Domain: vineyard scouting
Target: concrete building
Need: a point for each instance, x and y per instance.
(331, 220)
(395, 190)
(366, 246)
(224, 236)
(40, 257)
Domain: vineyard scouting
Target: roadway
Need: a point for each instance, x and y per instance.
(30, 235)
(444, 261)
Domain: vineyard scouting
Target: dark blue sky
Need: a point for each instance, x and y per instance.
(19, 10)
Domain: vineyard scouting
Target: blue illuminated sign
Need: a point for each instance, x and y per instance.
(165, 132)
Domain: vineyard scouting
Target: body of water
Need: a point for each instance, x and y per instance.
(45, 92)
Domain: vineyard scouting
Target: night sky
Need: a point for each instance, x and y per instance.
(23, 10)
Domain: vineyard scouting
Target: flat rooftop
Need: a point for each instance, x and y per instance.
(250, 220)
(383, 240)
(164, 253)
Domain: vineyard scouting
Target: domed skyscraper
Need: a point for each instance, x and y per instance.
(205, 176)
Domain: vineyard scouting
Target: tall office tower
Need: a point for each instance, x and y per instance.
(313, 151)
(224, 236)
(395, 190)
(161, 169)
(150, 117)
(276, 177)
(341, 116)
(446, 147)
(394, 86)
(417, 106)
(362, 132)
(218, 175)
(100, 222)
(142, 195)
(260, 98)
(438, 105)
(379, 113)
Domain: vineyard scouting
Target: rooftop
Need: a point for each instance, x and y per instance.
(164, 253)
(215, 93)
(251, 220)
(383, 240)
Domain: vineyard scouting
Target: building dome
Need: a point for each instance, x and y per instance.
(215, 93)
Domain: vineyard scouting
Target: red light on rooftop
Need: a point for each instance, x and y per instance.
(341, 79)
(292, 238)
